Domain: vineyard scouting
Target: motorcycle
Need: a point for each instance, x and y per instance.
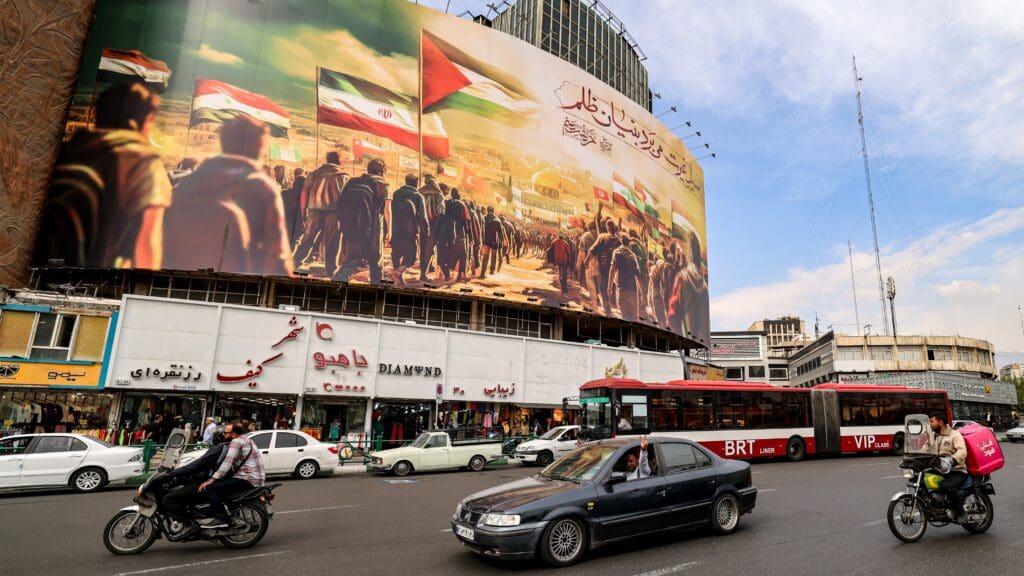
(133, 529)
(924, 502)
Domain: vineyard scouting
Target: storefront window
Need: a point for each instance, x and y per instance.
(332, 420)
(27, 411)
(140, 409)
(263, 412)
(398, 422)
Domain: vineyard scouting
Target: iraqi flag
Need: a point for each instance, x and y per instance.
(350, 102)
(216, 101)
(455, 80)
(131, 66)
(623, 194)
(362, 148)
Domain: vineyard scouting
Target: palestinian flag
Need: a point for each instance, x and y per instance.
(130, 66)
(623, 194)
(362, 148)
(455, 80)
(216, 101)
(681, 226)
(350, 102)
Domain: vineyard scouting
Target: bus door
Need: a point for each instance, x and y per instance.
(825, 415)
(631, 411)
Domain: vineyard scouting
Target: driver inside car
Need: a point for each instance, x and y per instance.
(637, 463)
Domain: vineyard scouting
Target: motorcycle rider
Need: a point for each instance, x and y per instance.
(177, 500)
(949, 442)
(241, 468)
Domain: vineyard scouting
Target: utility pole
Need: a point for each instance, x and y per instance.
(890, 292)
(871, 198)
(853, 284)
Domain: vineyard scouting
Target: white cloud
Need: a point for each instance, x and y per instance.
(948, 73)
(210, 54)
(951, 282)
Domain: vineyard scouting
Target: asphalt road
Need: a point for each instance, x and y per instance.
(814, 517)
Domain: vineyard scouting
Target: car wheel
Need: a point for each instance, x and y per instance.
(306, 469)
(563, 542)
(795, 449)
(725, 514)
(544, 458)
(88, 480)
(477, 463)
(402, 468)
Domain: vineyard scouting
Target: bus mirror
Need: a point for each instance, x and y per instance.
(914, 427)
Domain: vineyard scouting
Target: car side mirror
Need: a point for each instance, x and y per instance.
(617, 478)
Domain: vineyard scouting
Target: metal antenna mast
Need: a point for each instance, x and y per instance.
(853, 284)
(871, 200)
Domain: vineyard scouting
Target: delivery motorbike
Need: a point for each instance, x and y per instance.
(924, 502)
(133, 529)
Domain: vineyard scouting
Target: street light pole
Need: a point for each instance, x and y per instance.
(890, 289)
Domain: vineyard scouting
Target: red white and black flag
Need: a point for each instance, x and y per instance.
(216, 101)
(132, 66)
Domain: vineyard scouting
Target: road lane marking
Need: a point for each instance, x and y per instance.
(867, 465)
(891, 477)
(446, 530)
(205, 563)
(875, 523)
(671, 570)
(318, 509)
(763, 490)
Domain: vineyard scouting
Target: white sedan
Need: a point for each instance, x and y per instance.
(49, 460)
(1015, 434)
(288, 452)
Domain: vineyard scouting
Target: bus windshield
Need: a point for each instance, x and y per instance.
(596, 415)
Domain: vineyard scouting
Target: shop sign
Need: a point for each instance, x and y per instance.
(409, 370)
(252, 373)
(172, 372)
(500, 391)
(716, 374)
(49, 374)
(617, 370)
(736, 347)
(598, 400)
(345, 388)
(697, 371)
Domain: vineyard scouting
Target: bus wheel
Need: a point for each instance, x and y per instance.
(897, 444)
(795, 449)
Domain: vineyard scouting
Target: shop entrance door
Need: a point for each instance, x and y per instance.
(335, 422)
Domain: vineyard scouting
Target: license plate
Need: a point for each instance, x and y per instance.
(467, 533)
(270, 509)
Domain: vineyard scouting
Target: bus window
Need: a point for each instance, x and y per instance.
(730, 411)
(759, 407)
(633, 414)
(892, 410)
(698, 410)
(665, 410)
(935, 403)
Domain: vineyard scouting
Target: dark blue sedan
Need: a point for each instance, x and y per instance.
(603, 492)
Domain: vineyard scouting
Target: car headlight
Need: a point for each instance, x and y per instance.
(908, 474)
(502, 520)
(136, 458)
(458, 510)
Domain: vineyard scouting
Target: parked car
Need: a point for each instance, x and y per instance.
(543, 450)
(84, 463)
(288, 452)
(1015, 434)
(585, 499)
(958, 424)
(437, 451)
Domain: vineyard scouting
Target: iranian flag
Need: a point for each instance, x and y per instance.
(362, 148)
(130, 66)
(455, 80)
(216, 101)
(350, 102)
(623, 194)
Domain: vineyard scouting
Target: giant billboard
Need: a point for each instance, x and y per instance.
(372, 142)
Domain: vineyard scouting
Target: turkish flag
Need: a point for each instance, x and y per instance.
(602, 194)
(472, 182)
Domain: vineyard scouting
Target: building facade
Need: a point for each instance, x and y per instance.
(586, 34)
(745, 356)
(1011, 372)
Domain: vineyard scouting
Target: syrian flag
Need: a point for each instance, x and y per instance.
(623, 194)
(350, 102)
(216, 101)
(362, 148)
(472, 182)
(454, 80)
(130, 66)
(602, 194)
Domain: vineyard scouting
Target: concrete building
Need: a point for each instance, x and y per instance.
(964, 367)
(584, 33)
(1011, 372)
(746, 356)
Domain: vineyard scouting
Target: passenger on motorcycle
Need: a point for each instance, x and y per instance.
(190, 476)
(241, 469)
(950, 444)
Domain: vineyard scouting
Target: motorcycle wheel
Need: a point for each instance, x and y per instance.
(257, 520)
(986, 521)
(128, 533)
(899, 512)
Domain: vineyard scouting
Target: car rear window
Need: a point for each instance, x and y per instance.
(262, 441)
(679, 457)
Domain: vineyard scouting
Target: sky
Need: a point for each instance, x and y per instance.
(770, 86)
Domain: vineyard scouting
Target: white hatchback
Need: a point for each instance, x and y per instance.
(81, 462)
(288, 452)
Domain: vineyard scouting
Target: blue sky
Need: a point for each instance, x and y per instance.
(770, 86)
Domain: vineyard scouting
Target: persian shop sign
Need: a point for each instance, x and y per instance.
(49, 374)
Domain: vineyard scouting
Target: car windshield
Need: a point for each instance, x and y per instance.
(550, 434)
(580, 464)
(421, 440)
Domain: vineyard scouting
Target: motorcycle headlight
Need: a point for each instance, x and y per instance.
(502, 520)
(908, 473)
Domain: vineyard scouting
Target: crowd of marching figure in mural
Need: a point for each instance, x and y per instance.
(113, 204)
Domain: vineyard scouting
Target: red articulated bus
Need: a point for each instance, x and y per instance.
(750, 420)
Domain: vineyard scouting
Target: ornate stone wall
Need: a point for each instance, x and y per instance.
(40, 49)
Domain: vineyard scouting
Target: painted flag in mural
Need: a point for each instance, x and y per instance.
(455, 80)
(472, 182)
(132, 65)
(681, 226)
(602, 194)
(350, 102)
(623, 194)
(216, 101)
(285, 153)
(500, 200)
(645, 196)
(411, 164)
(362, 148)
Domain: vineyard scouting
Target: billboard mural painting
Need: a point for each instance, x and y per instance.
(372, 142)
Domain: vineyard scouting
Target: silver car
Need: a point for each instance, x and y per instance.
(1015, 434)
